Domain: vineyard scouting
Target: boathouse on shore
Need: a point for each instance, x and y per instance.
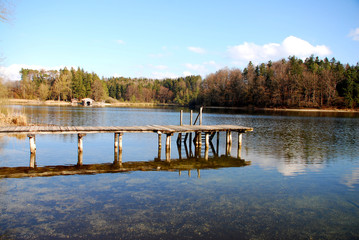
(87, 101)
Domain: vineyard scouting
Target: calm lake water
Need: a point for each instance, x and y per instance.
(302, 181)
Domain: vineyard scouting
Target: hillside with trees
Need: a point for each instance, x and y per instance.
(289, 83)
(286, 83)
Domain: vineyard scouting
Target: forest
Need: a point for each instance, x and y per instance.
(288, 83)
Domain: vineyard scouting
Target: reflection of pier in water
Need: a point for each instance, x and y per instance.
(194, 162)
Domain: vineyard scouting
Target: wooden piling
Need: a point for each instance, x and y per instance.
(159, 139)
(80, 158)
(217, 143)
(228, 143)
(168, 146)
(32, 143)
(120, 141)
(239, 149)
(32, 160)
(200, 115)
(206, 150)
(80, 142)
(207, 139)
(116, 141)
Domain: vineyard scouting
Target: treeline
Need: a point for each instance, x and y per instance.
(285, 83)
(77, 84)
(289, 82)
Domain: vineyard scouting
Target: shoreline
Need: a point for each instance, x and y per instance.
(145, 104)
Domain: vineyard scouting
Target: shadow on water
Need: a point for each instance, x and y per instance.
(193, 161)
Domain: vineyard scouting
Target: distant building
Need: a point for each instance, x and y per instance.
(87, 101)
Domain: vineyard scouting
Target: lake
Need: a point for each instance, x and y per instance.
(302, 180)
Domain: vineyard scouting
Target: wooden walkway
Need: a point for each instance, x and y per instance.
(201, 133)
(166, 129)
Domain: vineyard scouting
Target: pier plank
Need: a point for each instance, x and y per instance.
(111, 129)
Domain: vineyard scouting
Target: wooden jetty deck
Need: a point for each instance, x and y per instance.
(166, 129)
(201, 133)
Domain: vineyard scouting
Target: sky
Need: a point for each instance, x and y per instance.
(169, 39)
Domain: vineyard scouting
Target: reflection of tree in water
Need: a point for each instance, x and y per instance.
(305, 140)
(2, 143)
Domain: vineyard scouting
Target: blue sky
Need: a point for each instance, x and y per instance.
(158, 39)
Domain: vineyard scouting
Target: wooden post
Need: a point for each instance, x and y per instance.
(198, 173)
(239, 145)
(190, 144)
(168, 140)
(228, 143)
(32, 160)
(206, 149)
(120, 158)
(181, 118)
(80, 158)
(159, 145)
(80, 142)
(32, 143)
(168, 146)
(116, 141)
(159, 139)
(200, 115)
(207, 139)
(120, 141)
(217, 143)
(191, 118)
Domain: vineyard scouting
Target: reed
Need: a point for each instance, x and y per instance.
(9, 117)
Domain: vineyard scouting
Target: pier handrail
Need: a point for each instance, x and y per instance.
(199, 116)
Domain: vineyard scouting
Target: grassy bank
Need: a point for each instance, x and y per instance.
(152, 105)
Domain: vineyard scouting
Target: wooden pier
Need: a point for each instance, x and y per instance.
(202, 133)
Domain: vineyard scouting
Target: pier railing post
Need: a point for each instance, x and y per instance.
(191, 118)
(181, 118)
(179, 138)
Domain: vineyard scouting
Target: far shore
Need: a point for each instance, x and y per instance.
(150, 105)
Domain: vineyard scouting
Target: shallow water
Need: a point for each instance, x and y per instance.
(302, 183)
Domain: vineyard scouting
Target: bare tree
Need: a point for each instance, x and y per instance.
(5, 10)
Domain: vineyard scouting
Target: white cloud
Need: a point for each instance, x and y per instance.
(187, 73)
(159, 67)
(354, 34)
(121, 42)
(351, 179)
(242, 54)
(197, 50)
(163, 75)
(202, 69)
(12, 72)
